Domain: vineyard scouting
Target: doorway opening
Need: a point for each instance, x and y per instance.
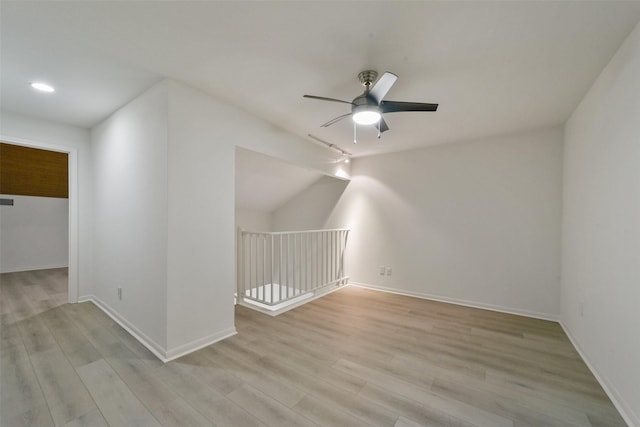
(39, 216)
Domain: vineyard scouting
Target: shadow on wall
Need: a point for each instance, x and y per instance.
(312, 208)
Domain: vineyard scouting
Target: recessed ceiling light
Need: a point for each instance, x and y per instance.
(43, 87)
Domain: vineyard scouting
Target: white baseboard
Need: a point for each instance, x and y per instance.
(32, 268)
(621, 405)
(286, 307)
(623, 408)
(150, 344)
(198, 344)
(473, 304)
(165, 355)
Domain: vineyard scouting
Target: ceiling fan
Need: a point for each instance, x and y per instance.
(367, 109)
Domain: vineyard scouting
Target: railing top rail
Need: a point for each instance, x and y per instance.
(291, 232)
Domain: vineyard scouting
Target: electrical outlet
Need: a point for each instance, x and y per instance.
(119, 293)
(388, 271)
(382, 270)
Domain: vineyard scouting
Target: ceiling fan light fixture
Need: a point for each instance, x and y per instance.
(366, 117)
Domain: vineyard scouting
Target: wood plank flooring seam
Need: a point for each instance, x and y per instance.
(74, 367)
(37, 379)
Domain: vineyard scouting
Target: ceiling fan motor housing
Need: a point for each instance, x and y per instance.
(363, 100)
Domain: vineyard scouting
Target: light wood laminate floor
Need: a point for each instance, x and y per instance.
(353, 358)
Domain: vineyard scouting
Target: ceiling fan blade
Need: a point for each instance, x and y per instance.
(337, 119)
(322, 98)
(396, 106)
(383, 125)
(382, 86)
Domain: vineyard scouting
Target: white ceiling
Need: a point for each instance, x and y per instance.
(264, 184)
(494, 67)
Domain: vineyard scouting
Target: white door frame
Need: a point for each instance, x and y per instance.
(74, 229)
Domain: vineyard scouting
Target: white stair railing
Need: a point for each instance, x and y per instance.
(278, 267)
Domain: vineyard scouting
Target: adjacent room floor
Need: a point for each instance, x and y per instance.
(353, 358)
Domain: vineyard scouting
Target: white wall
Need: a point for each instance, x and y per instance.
(164, 212)
(130, 205)
(246, 131)
(18, 128)
(34, 233)
(201, 270)
(475, 222)
(203, 136)
(601, 227)
(253, 220)
(312, 208)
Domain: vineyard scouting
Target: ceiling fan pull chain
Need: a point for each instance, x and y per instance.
(379, 129)
(355, 140)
